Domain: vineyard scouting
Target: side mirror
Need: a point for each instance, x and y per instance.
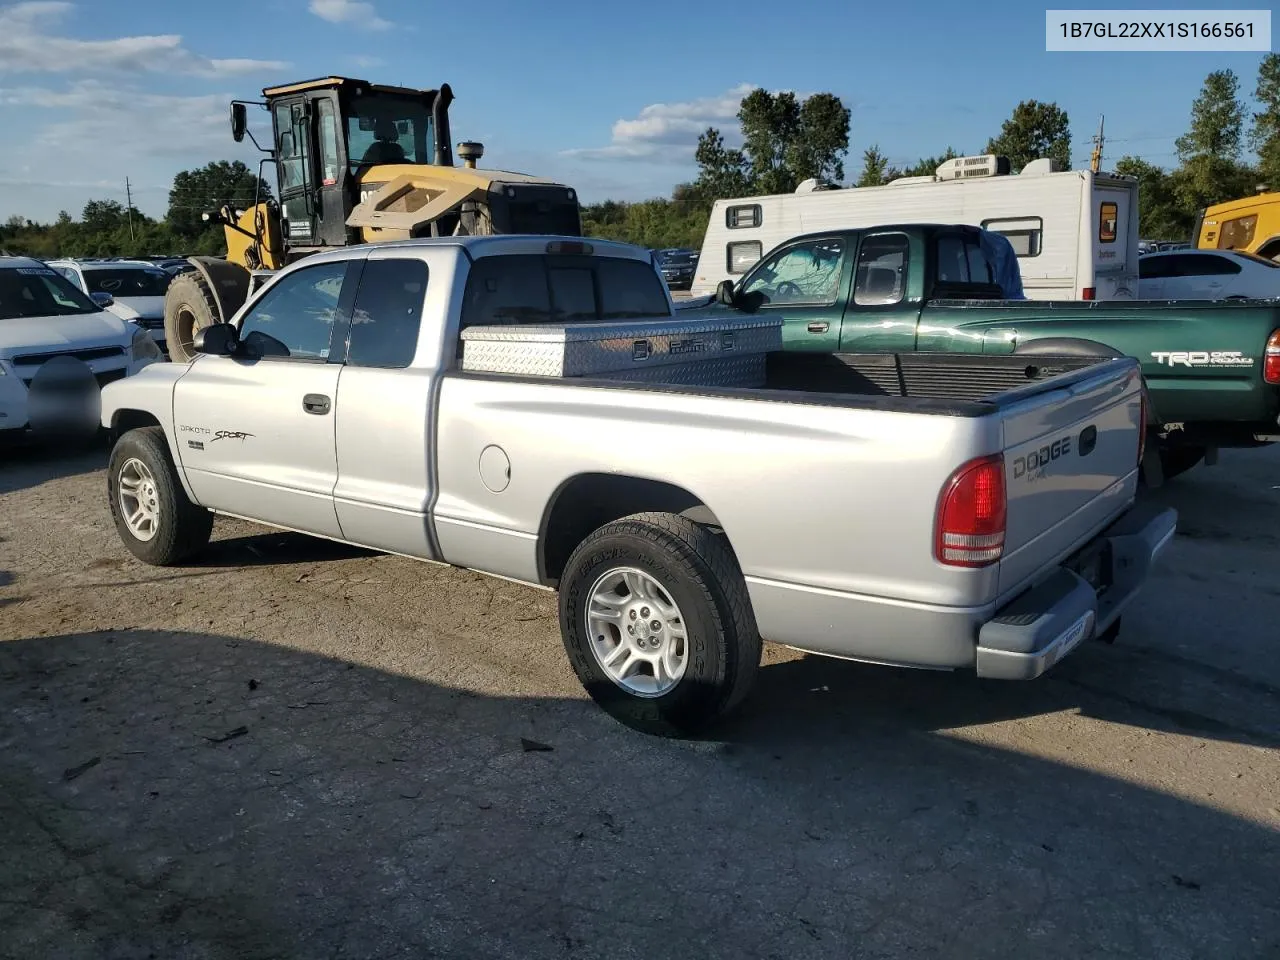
(239, 122)
(217, 339)
(102, 298)
(724, 293)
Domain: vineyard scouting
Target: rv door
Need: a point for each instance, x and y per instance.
(1114, 217)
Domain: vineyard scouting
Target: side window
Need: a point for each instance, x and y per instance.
(744, 215)
(882, 270)
(807, 273)
(387, 314)
(328, 143)
(1208, 265)
(1153, 268)
(742, 256)
(506, 290)
(953, 264)
(1025, 234)
(1238, 233)
(1108, 214)
(295, 318)
(979, 267)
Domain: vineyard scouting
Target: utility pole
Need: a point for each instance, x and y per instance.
(1095, 163)
(128, 205)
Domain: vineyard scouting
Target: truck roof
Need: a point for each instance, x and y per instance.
(511, 243)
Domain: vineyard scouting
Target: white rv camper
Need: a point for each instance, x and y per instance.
(1075, 232)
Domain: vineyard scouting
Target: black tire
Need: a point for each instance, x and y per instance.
(1178, 460)
(699, 572)
(189, 305)
(183, 527)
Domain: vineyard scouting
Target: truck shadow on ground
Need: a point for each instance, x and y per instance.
(195, 795)
(276, 548)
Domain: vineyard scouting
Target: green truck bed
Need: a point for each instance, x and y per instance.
(928, 288)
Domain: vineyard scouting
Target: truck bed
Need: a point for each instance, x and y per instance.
(934, 376)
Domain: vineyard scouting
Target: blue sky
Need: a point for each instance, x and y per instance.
(608, 98)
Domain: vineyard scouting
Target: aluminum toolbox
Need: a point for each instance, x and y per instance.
(598, 349)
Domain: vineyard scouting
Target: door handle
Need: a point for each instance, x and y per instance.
(818, 326)
(316, 403)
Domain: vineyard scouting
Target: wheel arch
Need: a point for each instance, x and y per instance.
(133, 418)
(587, 501)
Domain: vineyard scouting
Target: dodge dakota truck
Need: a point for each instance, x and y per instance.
(1212, 368)
(528, 407)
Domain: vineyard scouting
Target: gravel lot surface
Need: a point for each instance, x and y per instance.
(298, 750)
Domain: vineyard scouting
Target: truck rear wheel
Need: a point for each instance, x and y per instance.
(153, 515)
(657, 623)
(189, 305)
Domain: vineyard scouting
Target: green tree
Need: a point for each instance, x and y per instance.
(875, 167)
(100, 216)
(1265, 134)
(927, 166)
(1211, 170)
(1160, 214)
(721, 172)
(196, 192)
(785, 141)
(1034, 130)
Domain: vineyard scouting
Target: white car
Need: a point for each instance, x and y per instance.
(1206, 275)
(131, 289)
(44, 318)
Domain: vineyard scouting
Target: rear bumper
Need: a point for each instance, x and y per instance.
(1084, 597)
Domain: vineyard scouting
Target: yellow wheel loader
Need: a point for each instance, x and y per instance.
(356, 162)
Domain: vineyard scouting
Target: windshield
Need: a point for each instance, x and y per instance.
(388, 129)
(677, 257)
(39, 292)
(141, 282)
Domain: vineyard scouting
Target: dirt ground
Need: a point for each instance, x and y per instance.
(297, 750)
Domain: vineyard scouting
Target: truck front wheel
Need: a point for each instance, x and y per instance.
(154, 517)
(656, 620)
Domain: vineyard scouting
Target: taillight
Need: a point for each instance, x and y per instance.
(1088, 293)
(1271, 359)
(1142, 424)
(972, 512)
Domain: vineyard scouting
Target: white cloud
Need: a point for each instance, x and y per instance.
(660, 127)
(26, 46)
(355, 12)
(368, 63)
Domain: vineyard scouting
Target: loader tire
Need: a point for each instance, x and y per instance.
(189, 305)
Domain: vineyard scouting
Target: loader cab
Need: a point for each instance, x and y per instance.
(329, 134)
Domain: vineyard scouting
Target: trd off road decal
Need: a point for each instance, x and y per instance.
(1202, 358)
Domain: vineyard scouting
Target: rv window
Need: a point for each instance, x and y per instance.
(1237, 233)
(1025, 234)
(882, 270)
(807, 273)
(1107, 216)
(743, 255)
(748, 215)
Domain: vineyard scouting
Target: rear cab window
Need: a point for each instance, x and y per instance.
(550, 288)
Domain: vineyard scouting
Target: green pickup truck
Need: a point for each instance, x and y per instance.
(1212, 368)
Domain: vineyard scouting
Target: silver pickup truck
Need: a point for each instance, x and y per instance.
(530, 408)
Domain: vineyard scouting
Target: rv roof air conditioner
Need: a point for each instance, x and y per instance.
(814, 184)
(902, 181)
(1042, 166)
(967, 168)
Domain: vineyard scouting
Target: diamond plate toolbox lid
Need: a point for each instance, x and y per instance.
(586, 349)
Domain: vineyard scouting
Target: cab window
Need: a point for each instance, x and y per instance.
(881, 276)
(295, 318)
(387, 314)
(806, 273)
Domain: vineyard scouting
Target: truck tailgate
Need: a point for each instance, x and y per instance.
(1071, 464)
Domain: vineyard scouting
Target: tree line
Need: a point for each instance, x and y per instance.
(107, 228)
(1227, 151)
